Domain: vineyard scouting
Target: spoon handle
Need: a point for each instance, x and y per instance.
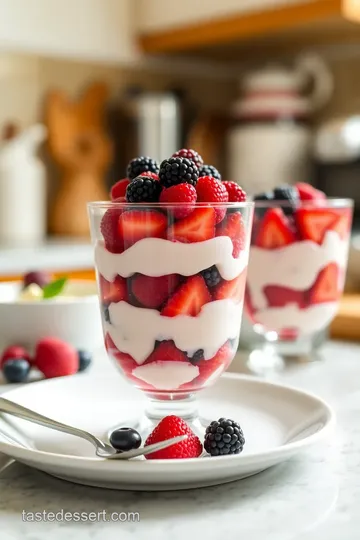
(15, 409)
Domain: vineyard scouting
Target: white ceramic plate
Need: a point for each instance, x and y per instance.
(277, 421)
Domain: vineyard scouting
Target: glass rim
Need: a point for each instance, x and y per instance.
(165, 205)
(332, 202)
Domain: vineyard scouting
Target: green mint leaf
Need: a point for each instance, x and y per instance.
(54, 288)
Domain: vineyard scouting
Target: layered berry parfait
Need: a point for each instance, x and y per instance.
(171, 255)
(297, 266)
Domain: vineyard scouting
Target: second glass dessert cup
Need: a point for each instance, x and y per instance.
(171, 282)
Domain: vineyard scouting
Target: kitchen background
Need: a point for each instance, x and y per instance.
(267, 90)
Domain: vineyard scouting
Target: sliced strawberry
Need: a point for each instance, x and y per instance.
(119, 189)
(188, 299)
(152, 292)
(342, 224)
(314, 223)
(197, 227)
(207, 368)
(326, 286)
(138, 224)
(109, 229)
(309, 193)
(113, 292)
(167, 351)
(282, 296)
(233, 289)
(233, 226)
(275, 230)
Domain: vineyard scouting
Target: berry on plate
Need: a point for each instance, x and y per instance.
(109, 230)
(14, 351)
(173, 426)
(140, 165)
(326, 286)
(113, 291)
(125, 439)
(85, 359)
(278, 296)
(224, 437)
(197, 227)
(166, 351)
(211, 190)
(143, 189)
(188, 299)
(39, 277)
(152, 292)
(309, 193)
(119, 189)
(209, 170)
(275, 230)
(178, 170)
(235, 192)
(56, 358)
(16, 370)
(233, 289)
(138, 224)
(313, 223)
(181, 193)
(233, 227)
(190, 154)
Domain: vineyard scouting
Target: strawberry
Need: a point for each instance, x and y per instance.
(14, 352)
(207, 368)
(180, 193)
(138, 224)
(235, 192)
(119, 189)
(109, 230)
(197, 227)
(166, 351)
(326, 286)
(342, 225)
(152, 292)
(210, 189)
(281, 296)
(309, 193)
(56, 358)
(233, 227)
(248, 305)
(233, 289)
(113, 291)
(188, 299)
(314, 223)
(275, 230)
(173, 426)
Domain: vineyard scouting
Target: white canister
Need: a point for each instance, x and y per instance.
(22, 188)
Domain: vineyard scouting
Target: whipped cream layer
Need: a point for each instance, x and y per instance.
(166, 375)
(135, 330)
(306, 321)
(157, 257)
(296, 266)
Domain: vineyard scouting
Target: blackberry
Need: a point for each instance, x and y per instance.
(209, 170)
(141, 164)
(288, 194)
(143, 189)
(190, 154)
(211, 276)
(263, 197)
(178, 170)
(223, 437)
(197, 356)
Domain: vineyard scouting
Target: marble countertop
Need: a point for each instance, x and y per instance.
(311, 497)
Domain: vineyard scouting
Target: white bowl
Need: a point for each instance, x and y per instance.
(74, 319)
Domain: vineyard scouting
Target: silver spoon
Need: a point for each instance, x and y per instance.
(103, 450)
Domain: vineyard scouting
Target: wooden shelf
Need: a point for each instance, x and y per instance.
(324, 20)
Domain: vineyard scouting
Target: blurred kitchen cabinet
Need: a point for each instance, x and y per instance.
(95, 30)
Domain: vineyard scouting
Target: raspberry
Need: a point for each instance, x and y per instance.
(149, 174)
(109, 230)
(209, 170)
(211, 190)
(178, 170)
(56, 358)
(181, 193)
(119, 189)
(140, 165)
(235, 192)
(172, 426)
(143, 189)
(190, 154)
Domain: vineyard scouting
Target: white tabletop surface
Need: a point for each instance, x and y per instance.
(314, 496)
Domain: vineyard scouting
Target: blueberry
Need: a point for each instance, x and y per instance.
(290, 196)
(16, 370)
(197, 356)
(84, 360)
(125, 438)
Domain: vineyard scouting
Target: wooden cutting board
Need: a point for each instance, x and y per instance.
(346, 324)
